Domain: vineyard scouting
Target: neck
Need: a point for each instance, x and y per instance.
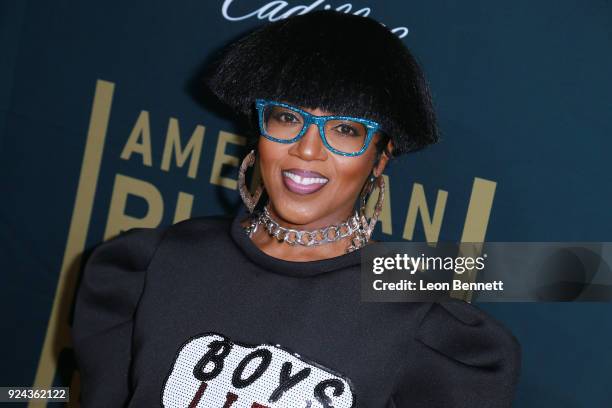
(334, 218)
(300, 253)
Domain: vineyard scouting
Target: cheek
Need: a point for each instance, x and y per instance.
(270, 155)
(269, 150)
(351, 173)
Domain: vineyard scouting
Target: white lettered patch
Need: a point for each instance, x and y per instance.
(211, 371)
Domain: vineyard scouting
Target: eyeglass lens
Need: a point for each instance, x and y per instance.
(344, 135)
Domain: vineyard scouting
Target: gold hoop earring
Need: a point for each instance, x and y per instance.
(250, 200)
(369, 225)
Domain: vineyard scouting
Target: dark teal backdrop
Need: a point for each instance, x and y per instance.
(523, 93)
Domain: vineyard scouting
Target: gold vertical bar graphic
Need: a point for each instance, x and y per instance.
(58, 331)
(475, 228)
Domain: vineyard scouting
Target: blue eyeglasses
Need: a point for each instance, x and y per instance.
(344, 135)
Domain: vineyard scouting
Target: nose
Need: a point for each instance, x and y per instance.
(310, 146)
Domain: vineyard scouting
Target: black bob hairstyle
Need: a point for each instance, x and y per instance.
(342, 63)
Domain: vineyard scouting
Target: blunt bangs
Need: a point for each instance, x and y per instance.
(337, 62)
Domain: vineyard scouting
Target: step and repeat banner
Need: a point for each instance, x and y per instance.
(103, 127)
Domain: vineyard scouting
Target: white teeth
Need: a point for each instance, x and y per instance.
(305, 180)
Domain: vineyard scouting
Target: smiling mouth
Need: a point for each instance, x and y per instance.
(303, 181)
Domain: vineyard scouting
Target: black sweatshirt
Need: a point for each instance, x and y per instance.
(196, 315)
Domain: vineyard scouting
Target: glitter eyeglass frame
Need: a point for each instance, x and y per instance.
(309, 119)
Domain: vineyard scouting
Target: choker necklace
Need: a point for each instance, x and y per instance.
(331, 233)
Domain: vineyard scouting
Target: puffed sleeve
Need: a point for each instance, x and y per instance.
(107, 296)
(464, 359)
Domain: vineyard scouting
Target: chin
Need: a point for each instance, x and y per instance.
(294, 212)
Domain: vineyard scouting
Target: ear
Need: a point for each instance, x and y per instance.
(384, 159)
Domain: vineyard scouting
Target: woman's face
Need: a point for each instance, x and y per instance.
(327, 197)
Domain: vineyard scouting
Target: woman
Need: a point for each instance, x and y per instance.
(263, 309)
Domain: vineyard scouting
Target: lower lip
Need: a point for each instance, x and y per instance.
(300, 188)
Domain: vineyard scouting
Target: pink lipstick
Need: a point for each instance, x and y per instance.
(302, 181)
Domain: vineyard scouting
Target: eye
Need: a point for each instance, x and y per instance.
(346, 129)
(286, 117)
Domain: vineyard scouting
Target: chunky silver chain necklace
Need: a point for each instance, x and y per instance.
(331, 233)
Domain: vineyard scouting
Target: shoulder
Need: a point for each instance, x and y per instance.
(114, 273)
(131, 248)
(199, 229)
(467, 334)
(193, 238)
(136, 246)
(205, 223)
(466, 359)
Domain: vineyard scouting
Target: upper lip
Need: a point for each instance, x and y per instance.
(305, 173)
